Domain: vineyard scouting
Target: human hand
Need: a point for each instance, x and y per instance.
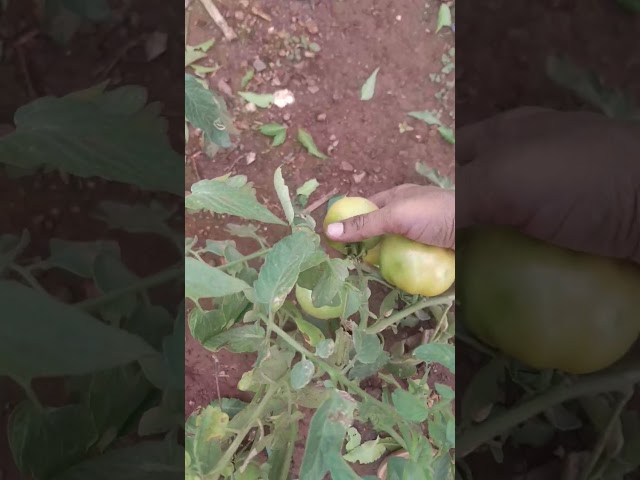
(571, 179)
(422, 213)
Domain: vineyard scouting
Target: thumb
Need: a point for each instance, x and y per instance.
(360, 227)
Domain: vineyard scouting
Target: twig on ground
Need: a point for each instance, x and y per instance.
(219, 20)
(321, 201)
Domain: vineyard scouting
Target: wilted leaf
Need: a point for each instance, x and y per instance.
(325, 348)
(369, 87)
(444, 17)
(262, 100)
(447, 134)
(368, 346)
(283, 195)
(368, 452)
(308, 188)
(306, 140)
(426, 116)
(203, 432)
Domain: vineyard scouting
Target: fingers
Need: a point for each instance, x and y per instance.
(382, 199)
(360, 227)
(494, 131)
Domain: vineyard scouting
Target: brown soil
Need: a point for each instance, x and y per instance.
(371, 154)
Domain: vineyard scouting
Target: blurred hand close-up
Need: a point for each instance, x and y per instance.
(567, 178)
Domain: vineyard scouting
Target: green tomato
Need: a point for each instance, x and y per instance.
(416, 268)
(348, 207)
(303, 296)
(549, 307)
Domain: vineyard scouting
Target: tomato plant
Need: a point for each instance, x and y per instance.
(261, 305)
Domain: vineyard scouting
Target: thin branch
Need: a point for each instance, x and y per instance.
(217, 17)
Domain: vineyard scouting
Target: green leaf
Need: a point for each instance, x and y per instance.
(447, 134)
(111, 135)
(201, 280)
(306, 140)
(262, 100)
(441, 353)
(353, 439)
(33, 322)
(308, 188)
(427, 117)
(202, 70)
(138, 218)
(247, 77)
(301, 374)
(279, 138)
(369, 87)
(274, 364)
(44, 443)
(325, 348)
(283, 195)
(533, 433)
(368, 347)
(312, 334)
(272, 129)
(360, 370)
(230, 406)
(206, 111)
(327, 431)
(229, 197)
(242, 339)
(283, 264)
(444, 17)
(203, 432)
(368, 452)
(433, 175)
(410, 407)
(445, 391)
(339, 468)
(245, 231)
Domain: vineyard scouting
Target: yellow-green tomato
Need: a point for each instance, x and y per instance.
(416, 268)
(373, 257)
(348, 207)
(303, 296)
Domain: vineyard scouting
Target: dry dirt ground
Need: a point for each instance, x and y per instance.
(370, 146)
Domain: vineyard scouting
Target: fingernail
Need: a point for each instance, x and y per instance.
(335, 229)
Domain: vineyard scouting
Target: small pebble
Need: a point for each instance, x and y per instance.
(321, 117)
(346, 166)
(259, 65)
(314, 89)
(239, 15)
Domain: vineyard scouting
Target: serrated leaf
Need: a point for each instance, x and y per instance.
(283, 264)
(307, 188)
(447, 134)
(301, 374)
(103, 136)
(444, 17)
(368, 346)
(240, 339)
(229, 197)
(44, 443)
(206, 111)
(441, 353)
(61, 339)
(306, 140)
(369, 87)
(368, 452)
(353, 439)
(262, 100)
(325, 438)
(204, 281)
(426, 116)
(409, 406)
(283, 195)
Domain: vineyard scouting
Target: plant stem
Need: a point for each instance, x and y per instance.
(251, 256)
(380, 325)
(443, 317)
(614, 380)
(230, 452)
(604, 436)
(333, 372)
(159, 278)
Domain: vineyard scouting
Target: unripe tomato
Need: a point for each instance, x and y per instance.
(303, 296)
(549, 307)
(373, 256)
(348, 207)
(416, 268)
